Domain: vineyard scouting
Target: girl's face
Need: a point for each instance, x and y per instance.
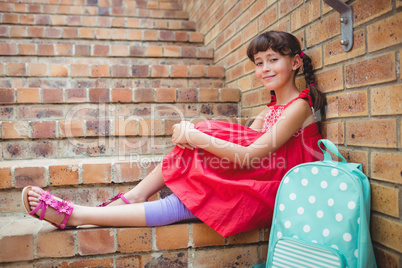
(274, 70)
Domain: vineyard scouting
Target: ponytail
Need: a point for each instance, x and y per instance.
(318, 98)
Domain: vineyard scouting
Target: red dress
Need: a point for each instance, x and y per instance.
(233, 198)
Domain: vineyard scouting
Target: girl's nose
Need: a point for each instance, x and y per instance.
(266, 68)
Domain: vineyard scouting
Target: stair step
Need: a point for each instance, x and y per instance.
(68, 52)
(20, 69)
(92, 10)
(117, 95)
(95, 21)
(89, 33)
(166, 5)
(25, 239)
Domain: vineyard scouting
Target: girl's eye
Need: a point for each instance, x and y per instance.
(273, 60)
(258, 63)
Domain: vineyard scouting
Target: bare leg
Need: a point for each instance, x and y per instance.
(128, 215)
(151, 184)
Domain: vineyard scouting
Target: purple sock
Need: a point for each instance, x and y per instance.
(166, 211)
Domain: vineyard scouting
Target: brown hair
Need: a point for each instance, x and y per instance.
(287, 44)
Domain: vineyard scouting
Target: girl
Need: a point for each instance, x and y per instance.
(222, 173)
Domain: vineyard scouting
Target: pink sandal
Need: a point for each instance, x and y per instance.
(46, 199)
(119, 195)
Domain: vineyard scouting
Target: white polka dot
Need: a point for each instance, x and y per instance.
(292, 196)
(334, 246)
(324, 184)
(311, 199)
(314, 241)
(325, 233)
(338, 217)
(330, 202)
(351, 205)
(286, 180)
(343, 186)
(320, 214)
(288, 224)
(358, 220)
(314, 170)
(347, 237)
(356, 253)
(306, 228)
(300, 210)
(334, 172)
(296, 170)
(278, 234)
(304, 182)
(295, 236)
(281, 207)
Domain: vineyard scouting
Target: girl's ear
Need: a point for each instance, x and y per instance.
(296, 63)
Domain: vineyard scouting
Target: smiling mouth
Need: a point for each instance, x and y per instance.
(268, 77)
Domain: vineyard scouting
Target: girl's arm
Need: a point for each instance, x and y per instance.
(259, 120)
(291, 120)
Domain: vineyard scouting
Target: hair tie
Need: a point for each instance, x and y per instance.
(302, 54)
(311, 85)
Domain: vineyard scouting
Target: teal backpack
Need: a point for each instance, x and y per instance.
(321, 216)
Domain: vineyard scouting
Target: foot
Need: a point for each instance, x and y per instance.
(56, 211)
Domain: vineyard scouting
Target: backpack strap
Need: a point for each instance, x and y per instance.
(332, 148)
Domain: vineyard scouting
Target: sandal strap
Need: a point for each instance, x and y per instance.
(110, 200)
(124, 199)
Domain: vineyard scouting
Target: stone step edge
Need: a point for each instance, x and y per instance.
(12, 69)
(162, 5)
(95, 21)
(100, 34)
(108, 50)
(90, 10)
(35, 240)
(117, 95)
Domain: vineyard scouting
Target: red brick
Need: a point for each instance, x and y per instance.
(333, 131)
(347, 104)
(179, 71)
(82, 50)
(268, 18)
(7, 95)
(323, 30)
(154, 51)
(58, 70)
(71, 128)
(196, 37)
(120, 50)
(385, 258)
(188, 95)
(28, 95)
(81, 263)
(160, 71)
(203, 235)
(69, 33)
(150, 127)
(128, 171)
(98, 128)
(76, 95)
(101, 50)
(305, 14)
(37, 69)
(64, 173)
(386, 167)
(135, 35)
(18, 31)
(372, 71)
(96, 173)
(16, 248)
(8, 49)
(166, 95)
(137, 51)
(55, 244)
(99, 95)
(373, 133)
(52, 95)
(53, 32)
(197, 71)
(6, 179)
(121, 95)
(27, 49)
(35, 176)
(79, 70)
(15, 130)
(125, 127)
(10, 18)
(386, 231)
(43, 130)
(250, 98)
(330, 80)
(386, 100)
(229, 95)
(45, 50)
(119, 34)
(96, 241)
(182, 37)
(87, 33)
(130, 240)
(120, 71)
(16, 69)
(172, 237)
(365, 10)
(144, 95)
(245, 238)
(385, 199)
(189, 52)
(64, 49)
(387, 30)
(103, 33)
(140, 71)
(171, 51)
(208, 94)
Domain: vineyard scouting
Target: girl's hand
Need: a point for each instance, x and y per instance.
(181, 135)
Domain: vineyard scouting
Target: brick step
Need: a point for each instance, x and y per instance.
(96, 21)
(103, 34)
(20, 69)
(91, 10)
(101, 54)
(29, 242)
(77, 82)
(165, 5)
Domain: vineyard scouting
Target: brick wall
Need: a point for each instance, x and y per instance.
(363, 86)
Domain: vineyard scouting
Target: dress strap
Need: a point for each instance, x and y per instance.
(303, 95)
(273, 100)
